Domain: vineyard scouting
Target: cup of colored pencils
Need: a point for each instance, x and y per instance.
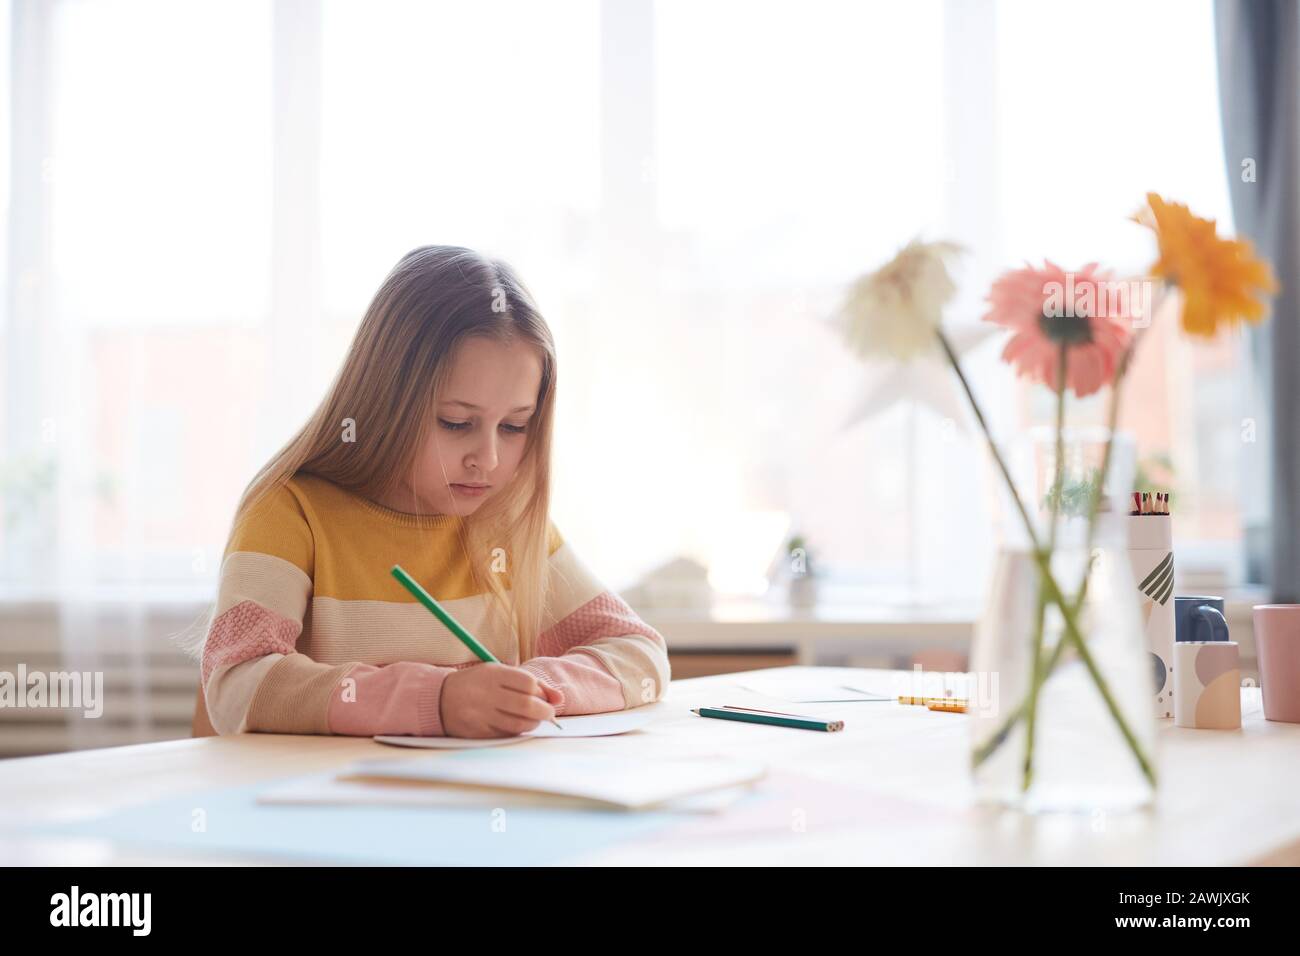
(1150, 503)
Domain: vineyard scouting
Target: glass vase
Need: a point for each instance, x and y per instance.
(1079, 741)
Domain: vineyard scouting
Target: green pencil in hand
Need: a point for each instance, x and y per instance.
(453, 625)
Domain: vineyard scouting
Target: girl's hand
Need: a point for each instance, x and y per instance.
(494, 700)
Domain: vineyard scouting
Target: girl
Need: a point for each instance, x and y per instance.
(431, 450)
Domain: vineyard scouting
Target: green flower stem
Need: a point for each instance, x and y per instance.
(1036, 675)
(1121, 375)
(1045, 567)
(1072, 631)
(1112, 422)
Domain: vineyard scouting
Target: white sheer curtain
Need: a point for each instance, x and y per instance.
(203, 195)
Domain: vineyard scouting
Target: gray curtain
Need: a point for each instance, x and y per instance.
(1259, 97)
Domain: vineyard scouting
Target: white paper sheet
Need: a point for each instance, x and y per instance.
(326, 789)
(585, 725)
(632, 782)
(805, 692)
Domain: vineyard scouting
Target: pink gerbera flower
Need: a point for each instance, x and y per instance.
(1087, 313)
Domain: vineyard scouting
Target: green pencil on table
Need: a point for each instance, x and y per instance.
(453, 625)
(755, 716)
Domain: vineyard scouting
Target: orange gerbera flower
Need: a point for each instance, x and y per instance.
(1222, 280)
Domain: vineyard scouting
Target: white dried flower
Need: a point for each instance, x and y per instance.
(895, 311)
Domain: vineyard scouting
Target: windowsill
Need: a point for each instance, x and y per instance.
(757, 611)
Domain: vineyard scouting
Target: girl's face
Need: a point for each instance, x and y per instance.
(483, 416)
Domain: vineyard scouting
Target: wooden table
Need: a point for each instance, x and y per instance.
(893, 788)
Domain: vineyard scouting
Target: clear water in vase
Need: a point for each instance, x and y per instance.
(1082, 760)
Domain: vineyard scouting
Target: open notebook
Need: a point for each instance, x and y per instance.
(629, 782)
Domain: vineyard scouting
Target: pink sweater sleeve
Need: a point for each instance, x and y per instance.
(598, 657)
(403, 698)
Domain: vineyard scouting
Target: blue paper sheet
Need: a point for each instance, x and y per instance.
(415, 836)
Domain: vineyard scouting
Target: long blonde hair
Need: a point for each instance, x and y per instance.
(433, 300)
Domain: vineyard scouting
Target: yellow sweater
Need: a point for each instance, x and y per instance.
(312, 635)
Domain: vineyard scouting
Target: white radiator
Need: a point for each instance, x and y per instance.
(148, 685)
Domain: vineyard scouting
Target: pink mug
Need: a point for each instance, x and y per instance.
(1277, 646)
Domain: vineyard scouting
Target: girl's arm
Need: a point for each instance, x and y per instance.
(254, 679)
(594, 649)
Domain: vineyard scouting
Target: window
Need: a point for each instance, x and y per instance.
(1078, 148)
(211, 192)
